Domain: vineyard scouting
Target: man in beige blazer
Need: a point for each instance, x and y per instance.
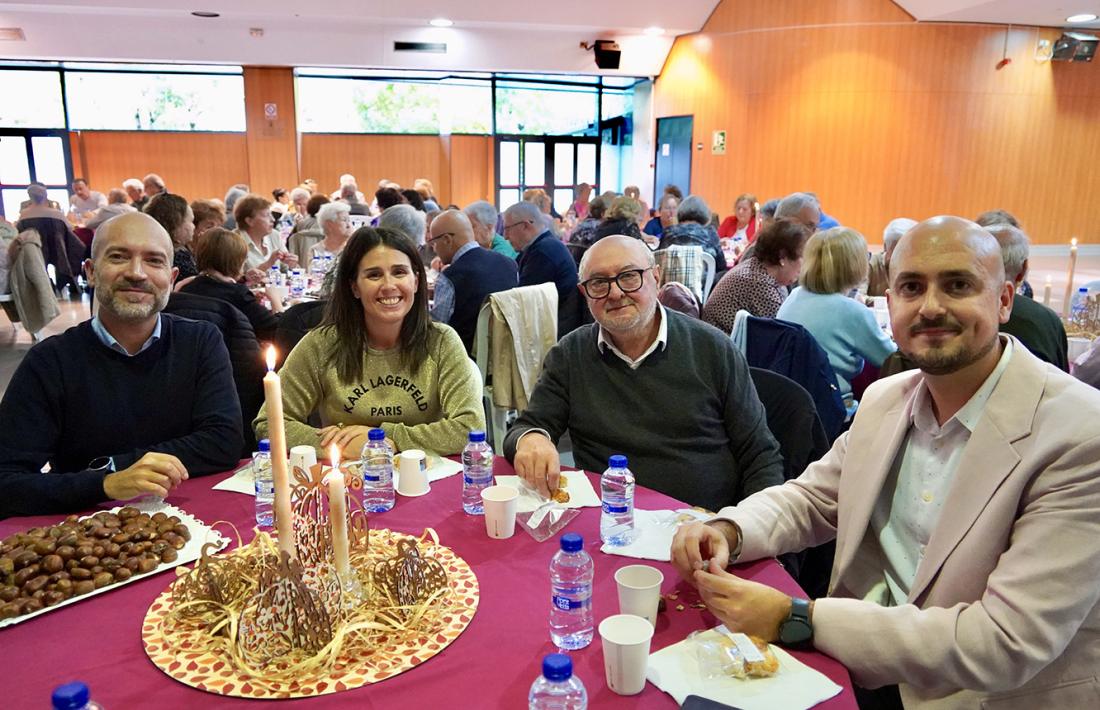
(965, 502)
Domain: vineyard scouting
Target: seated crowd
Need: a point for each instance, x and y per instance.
(961, 494)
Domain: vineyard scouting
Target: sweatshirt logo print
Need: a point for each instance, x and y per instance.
(398, 382)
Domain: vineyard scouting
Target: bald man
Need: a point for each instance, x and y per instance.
(965, 503)
(130, 403)
(670, 392)
(471, 274)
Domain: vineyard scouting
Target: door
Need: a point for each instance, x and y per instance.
(557, 164)
(29, 155)
(673, 154)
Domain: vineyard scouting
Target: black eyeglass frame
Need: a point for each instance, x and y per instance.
(617, 279)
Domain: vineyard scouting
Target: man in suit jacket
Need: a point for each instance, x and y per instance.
(965, 503)
(544, 258)
(473, 273)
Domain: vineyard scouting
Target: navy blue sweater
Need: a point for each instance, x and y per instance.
(73, 399)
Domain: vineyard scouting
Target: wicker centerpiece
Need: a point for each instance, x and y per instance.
(258, 622)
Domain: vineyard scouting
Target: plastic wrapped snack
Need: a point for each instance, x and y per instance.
(723, 654)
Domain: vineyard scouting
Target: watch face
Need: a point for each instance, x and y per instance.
(795, 631)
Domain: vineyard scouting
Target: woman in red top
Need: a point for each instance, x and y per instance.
(742, 223)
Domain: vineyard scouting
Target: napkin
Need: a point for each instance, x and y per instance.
(240, 482)
(655, 530)
(581, 493)
(438, 468)
(675, 670)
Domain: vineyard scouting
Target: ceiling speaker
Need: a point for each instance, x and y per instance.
(607, 54)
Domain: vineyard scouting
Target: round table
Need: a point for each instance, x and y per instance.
(491, 665)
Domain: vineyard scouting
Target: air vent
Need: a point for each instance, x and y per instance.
(431, 47)
(15, 34)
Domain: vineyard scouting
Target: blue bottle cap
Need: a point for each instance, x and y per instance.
(376, 435)
(557, 667)
(264, 445)
(617, 461)
(477, 436)
(571, 542)
(1082, 290)
(74, 695)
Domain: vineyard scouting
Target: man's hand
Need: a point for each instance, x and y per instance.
(537, 463)
(696, 542)
(749, 607)
(154, 473)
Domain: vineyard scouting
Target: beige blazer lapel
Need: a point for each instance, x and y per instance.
(988, 459)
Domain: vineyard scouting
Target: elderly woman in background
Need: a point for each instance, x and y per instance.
(175, 215)
(741, 225)
(231, 196)
(759, 283)
(585, 231)
(835, 262)
(693, 228)
(208, 214)
(219, 254)
(299, 201)
(666, 215)
(621, 218)
(252, 214)
(335, 220)
(386, 364)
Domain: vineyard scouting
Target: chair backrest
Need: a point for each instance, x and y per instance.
(708, 274)
(577, 250)
(678, 297)
(301, 242)
(689, 264)
(792, 419)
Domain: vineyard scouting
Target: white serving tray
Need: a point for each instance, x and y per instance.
(201, 533)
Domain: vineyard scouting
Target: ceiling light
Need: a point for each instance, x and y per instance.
(654, 31)
(206, 14)
(440, 22)
(1081, 18)
(12, 34)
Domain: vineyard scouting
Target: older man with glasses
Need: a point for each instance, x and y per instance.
(667, 390)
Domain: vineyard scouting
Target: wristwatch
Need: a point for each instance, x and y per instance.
(796, 628)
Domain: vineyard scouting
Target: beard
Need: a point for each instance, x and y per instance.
(622, 323)
(951, 357)
(113, 301)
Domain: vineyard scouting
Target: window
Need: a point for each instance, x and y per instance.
(362, 105)
(31, 99)
(525, 108)
(138, 100)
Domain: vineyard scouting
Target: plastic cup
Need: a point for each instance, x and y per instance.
(625, 640)
(412, 478)
(500, 511)
(303, 457)
(639, 591)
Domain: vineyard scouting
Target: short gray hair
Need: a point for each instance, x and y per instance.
(133, 182)
(794, 203)
(1015, 248)
(693, 209)
(299, 192)
(483, 213)
(155, 179)
(405, 219)
(117, 196)
(348, 191)
(527, 211)
(332, 211)
(895, 230)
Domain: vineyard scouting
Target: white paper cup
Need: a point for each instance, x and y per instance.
(500, 511)
(639, 591)
(303, 457)
(625, 652)
(412, 477)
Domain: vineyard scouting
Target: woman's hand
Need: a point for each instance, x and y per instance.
(349, 437)
(289, 259)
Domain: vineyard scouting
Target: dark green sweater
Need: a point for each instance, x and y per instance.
(688, 418)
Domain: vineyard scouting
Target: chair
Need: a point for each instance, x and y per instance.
(690, 265)
(295, 322)
(577, 250)
(678, 297)
(301, 242)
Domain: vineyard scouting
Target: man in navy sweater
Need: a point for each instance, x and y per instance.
(543, 258)
(130, 403)
(473, 273)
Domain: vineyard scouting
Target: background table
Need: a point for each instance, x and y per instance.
(491, 665)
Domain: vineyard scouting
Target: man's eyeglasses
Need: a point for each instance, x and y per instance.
(628, 281)
(513, 224)
(441, 236)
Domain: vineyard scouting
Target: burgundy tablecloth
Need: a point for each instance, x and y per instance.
(492, 665)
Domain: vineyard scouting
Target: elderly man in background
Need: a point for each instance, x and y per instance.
(963, 501)
(347, 179)
(544, 259)
(483, 218)
(610, 385)
(349, 193)
(165, 381)
(405, 219)
(299, 200)
(878, 279)
(801, 207)
(153, 185)
(116, 205)
(84, 201)
(136, 192)
(473, 273)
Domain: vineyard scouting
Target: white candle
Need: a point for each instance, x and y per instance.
(1046, 291)
(1069, 278)
(338, 514)
(284, 516)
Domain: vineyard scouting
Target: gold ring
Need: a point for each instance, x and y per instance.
(340, 425)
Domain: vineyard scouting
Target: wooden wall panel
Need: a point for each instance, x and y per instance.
(272, 142)
(884, 117)
(471, 168)
(194, 165)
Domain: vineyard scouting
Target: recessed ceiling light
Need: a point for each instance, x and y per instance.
(654, 31)
(440, 22)
(1081, 18)
(205, 14)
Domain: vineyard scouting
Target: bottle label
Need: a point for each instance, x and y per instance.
(567, 604)
(615, 509)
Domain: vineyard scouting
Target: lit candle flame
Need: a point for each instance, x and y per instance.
(334, 456)
(271, 357)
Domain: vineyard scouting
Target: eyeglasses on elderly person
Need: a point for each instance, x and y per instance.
(628, 281)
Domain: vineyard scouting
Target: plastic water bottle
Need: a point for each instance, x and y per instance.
(617, 495)
(477, 473)
(377, 473)
(316, 270)
(74, 696)
(1079, 306)
(275, 276)
(297, 283)
(571, 574)
(557, 688)
(329, 262)
(265, 484)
